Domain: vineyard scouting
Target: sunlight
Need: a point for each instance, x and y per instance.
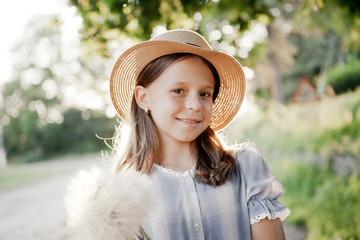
(110, 111)
(227, 29)
(30, 76)
(243, 53)
(249, 73)
(245, 42)
(39, 107)
(92, 100)
(158, 30)
(214, 35)
(18, 17)
(72, 24)
(5, 120)
(54, 116)
(275, 12)
(197, 17)
(259, 31)
(51, 88)
(14, 104)
(41, 59)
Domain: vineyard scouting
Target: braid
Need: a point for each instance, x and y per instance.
(215, 164)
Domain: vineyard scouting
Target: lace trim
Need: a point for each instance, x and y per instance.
(282, 215)
(172, 172)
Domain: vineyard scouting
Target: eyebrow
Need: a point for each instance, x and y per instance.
(185, 83)
(210, 87)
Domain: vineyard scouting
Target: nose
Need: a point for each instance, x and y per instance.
(193, 102)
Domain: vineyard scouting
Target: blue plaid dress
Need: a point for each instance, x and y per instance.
(191, 210)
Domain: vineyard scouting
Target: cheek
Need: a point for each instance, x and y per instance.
(166, 104)
(207, 112)
(207, 106)
(173, 103)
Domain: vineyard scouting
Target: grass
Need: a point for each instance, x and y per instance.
(300, 143)
(15, 176)
(303, 127)
(20, 172)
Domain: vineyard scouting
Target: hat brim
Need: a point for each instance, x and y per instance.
(129, 65)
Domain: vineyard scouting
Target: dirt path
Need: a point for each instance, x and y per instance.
(36, 211)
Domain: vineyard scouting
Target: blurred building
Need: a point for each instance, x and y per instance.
(305, 92)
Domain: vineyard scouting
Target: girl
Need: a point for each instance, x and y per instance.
(175, 92)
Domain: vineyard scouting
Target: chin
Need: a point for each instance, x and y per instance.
(188, 139)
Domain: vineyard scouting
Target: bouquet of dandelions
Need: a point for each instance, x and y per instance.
(108, 206)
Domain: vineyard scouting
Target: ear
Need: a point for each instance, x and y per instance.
(141, 96)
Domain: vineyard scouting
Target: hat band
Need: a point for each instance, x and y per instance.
(193, 44)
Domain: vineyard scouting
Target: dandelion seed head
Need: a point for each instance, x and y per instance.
(106, 205)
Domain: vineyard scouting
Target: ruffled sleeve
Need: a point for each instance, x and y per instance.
(262, 188)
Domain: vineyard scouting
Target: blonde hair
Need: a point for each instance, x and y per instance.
(137, 143)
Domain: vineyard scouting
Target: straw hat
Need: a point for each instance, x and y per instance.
(132, 61)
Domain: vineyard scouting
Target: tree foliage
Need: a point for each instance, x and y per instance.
(38, 104)
(341, 17)
(345, 78)
(108, 20)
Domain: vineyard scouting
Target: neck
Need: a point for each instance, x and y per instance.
(177, 156)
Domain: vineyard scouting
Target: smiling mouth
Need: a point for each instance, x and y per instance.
(188, 121)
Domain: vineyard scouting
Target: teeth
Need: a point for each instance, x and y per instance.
(189, 121)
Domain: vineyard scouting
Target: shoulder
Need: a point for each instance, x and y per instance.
(249, 159)
(246, 153)
(247, 147)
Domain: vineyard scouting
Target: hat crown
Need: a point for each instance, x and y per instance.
(183, 36)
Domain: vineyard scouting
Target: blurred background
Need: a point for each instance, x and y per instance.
(302, 64)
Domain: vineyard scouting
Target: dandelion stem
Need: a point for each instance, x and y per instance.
(144, 233)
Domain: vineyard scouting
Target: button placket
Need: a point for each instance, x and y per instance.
(196, 225)
(189, 184)
(187, 180)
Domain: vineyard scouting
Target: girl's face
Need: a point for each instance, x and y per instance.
(180, 100)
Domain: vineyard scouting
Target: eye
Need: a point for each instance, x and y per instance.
(178, 91)
(205, 94)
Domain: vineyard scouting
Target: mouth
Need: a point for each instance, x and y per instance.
(189, 121)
